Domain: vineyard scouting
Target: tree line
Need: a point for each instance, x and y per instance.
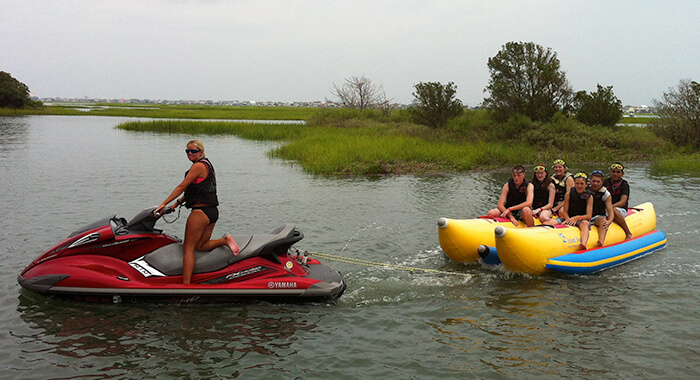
(14, 94)
(527, 80)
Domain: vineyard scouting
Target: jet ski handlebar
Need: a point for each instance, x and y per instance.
(146, 219)
(166, 210)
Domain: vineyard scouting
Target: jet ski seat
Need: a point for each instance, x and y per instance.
(168, 259)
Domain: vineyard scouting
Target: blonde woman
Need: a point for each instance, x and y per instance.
(199, 188)
(543, 194)
(563, 182)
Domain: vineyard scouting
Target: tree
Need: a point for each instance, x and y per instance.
(601, 107)
(679, 114)
(13, 93)
(526, 79)
(360, 93)
(435, 104)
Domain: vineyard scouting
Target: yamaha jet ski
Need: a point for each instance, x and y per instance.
(115, 260)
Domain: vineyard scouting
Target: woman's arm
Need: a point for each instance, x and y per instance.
(196, 171)
(552, 194)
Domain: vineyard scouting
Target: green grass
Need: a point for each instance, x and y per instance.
(171, 111)
(686, 164)
(637, 120)
(328, 150)
(399, 148)
(349, 142)
(250, 131)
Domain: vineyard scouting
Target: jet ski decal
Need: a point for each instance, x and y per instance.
(144, 268)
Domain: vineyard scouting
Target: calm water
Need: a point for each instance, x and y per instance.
(638, 320)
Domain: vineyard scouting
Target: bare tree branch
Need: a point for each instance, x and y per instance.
(360, 93)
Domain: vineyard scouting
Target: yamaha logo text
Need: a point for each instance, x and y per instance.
(282, 284)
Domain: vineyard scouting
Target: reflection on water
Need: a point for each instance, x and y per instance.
(176, 337)
(524, 326)
(13, 131)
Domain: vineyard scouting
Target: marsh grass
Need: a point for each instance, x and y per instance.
(366, 151)
(378, 149)
(351, 117)
(349, 142)
(250, 131)
(166, 111)
(688, 164)
(637, 120)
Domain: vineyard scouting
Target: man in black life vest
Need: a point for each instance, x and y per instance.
(516, 199)
(620, 192)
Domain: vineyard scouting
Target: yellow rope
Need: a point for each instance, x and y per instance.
(381, 265)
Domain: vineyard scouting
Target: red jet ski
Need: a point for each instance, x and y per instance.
(112, 260)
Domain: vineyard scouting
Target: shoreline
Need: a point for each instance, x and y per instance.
(342, 142)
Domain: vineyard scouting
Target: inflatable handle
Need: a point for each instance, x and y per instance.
(488, 255)
(500, 231)
(443, 222)
(483, 251)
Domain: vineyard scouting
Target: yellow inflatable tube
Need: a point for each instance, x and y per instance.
(526, 250)
(461, 238)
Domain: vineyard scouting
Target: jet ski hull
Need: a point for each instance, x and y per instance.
(114, 261)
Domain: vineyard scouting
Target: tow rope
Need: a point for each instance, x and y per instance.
(375, 264)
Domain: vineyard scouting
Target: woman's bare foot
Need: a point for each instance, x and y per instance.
(232, 245)
(582, 247)
(600, 243)
(629, 236)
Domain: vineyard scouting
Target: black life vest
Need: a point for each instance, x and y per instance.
(578, 202)
(203, 192)
(516, 195)
(541, 194)
(598, 202)
(560, 187)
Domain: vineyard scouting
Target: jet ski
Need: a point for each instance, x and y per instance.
(115, 260)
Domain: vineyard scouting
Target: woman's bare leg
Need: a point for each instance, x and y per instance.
(197, 225)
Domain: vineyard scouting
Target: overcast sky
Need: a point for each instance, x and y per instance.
(296, 50)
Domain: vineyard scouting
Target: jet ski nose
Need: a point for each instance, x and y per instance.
(443, 222)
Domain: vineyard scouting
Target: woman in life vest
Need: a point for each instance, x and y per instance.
(563, 182)
(199, 188)
(543, 194)
(578, 207)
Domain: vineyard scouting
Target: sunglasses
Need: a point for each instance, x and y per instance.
(540, 169)
(192, 151)
(580, 175)
(560, 162)
(518, 172)
(597, 172)
(617, 166)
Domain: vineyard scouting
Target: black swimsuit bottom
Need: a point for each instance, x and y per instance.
(212, 212)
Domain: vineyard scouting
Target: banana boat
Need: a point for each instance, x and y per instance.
(539, 250)
(460, 238)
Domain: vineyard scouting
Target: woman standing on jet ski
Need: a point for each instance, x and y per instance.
(199, 187)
